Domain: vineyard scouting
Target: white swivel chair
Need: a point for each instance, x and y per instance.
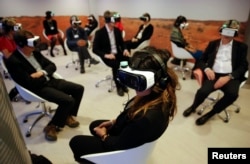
(144, 44)
(32, 97)
(5, 72)
(74, 57)
(55, 48)
(212, 100)
(138, 155)
(181, 54)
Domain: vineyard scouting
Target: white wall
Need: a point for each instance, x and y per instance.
(192, 9)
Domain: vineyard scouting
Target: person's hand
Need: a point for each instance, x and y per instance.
(37, 74)
(221, 82)
(106, 124)
(126, 53)
(81, 43)
(100, 131)
(109, 56)
(210, 74)
(134, 40)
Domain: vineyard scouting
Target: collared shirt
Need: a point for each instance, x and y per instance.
(112, 40)
(223, 60)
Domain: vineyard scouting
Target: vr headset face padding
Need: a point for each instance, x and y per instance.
(230, 28)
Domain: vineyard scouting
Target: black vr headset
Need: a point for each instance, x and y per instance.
(110, 19)
(141, 80)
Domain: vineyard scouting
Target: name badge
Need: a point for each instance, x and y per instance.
(52, 28)
(76, 36)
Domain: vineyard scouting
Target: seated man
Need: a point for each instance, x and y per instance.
(144, 32)
(77, 40)
(33, 71)
(224, 64)
(109, 45)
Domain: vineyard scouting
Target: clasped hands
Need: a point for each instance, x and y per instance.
(37, 74)
(101, 130)
(112, 56)
(220, 82)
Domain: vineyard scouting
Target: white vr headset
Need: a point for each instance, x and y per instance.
(17, 27)
(228, 32)
(76, 22)
(32, 42)
(136, 79)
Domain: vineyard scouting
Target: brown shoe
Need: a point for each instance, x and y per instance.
(71, 122)
(50, 132)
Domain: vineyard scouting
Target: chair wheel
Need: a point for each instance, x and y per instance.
(237, 111)
(25, 120)
(199, 113)
(28, 134)
(183, 78)
(109, 90)
(96, 85)
(226, 121)
(67, 66)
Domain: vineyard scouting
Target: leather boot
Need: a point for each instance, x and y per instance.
(50, 132)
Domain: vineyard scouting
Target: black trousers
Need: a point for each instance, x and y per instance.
(85, 144)
(66, 95)
(230, 90)
(132, 45)
(115, 64)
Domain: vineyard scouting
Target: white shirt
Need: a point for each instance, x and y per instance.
(223, 60)
(112, 40)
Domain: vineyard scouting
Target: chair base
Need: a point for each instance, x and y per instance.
(213, 100)
(183, 69)
(46, 111)
(107, 78)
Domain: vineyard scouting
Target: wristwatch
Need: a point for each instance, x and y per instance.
(231, 76)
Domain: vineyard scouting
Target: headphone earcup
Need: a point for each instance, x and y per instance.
(163, 82)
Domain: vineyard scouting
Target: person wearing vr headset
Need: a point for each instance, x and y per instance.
(91, 25)
(77, 40)
(144, 32)
(178, 38)
(145, 117)
(223, 64)
(30, 69)
(8, 45)
(51, 31)
(108, 44)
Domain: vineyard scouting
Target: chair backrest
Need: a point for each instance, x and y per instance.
(143, 44)
(137, 155)
(2, 62)
(179, 52)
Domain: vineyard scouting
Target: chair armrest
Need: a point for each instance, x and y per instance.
(57, 75)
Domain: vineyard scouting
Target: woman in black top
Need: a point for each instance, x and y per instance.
(52, 33)
(145, 117)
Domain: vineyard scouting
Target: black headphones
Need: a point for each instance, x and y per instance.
(232, 24)
(160, 75)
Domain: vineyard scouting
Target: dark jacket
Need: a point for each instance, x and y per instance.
(50, 27)
(127, 133)
(239, 58)
(146, 34)
(71, 41)
(101, 44)
(20, 70)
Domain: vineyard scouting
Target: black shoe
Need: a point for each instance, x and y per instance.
(120, 91)
(125, 89)
(203, 119)
(82, 70)
(188, 111)
(93, 61)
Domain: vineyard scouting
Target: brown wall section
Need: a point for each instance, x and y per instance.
(198, 33)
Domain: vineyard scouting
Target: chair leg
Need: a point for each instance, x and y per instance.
(107, 78)
(46, 111)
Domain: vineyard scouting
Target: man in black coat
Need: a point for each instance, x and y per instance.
(223, 64)
(108, 44)
(33, 71)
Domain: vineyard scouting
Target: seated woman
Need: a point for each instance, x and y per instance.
(51, 31)
(91, 25)
(144, 32)
(153, 106)
(178, 38)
